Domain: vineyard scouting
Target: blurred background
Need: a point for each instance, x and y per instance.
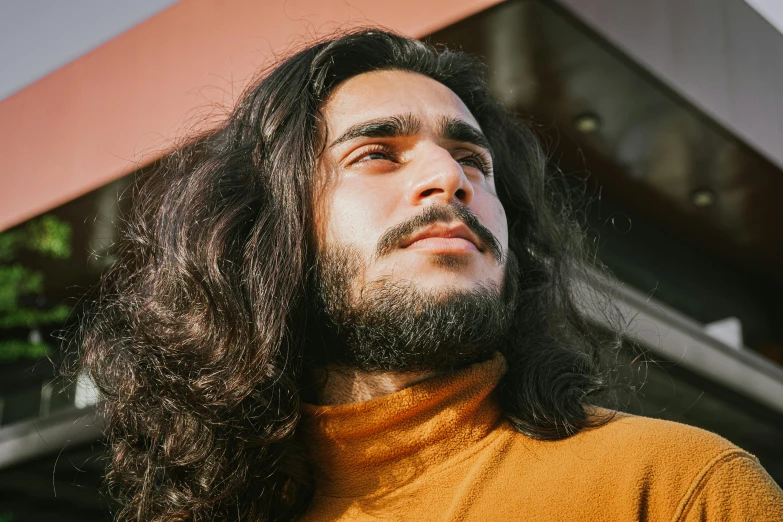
(668, 115)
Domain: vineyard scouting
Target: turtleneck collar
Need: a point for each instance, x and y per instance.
(375, 446)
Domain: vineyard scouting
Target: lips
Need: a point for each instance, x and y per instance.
(448, 236)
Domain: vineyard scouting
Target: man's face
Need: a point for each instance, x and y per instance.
(401, 146)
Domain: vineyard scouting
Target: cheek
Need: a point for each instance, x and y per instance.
(357, 214)
(493, 216)
(503, 226)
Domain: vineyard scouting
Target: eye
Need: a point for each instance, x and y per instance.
(377, 155)
(374, 153)
(476, 161)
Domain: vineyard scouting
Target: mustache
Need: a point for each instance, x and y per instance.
(391, 239)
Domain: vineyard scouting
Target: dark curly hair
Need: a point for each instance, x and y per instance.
(195, 336)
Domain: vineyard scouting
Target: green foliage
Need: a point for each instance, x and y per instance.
(16, 349)
(16, 280)
(8, 243)
(46, 236)
(31, 317)
(50, 237)
(6, 517)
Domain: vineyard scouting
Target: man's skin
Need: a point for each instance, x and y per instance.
(379, 182)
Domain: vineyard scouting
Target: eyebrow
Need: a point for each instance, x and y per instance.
(398, 126)
(454, 129)
(403, 125)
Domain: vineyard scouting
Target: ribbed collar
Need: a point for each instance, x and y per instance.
(372, 447)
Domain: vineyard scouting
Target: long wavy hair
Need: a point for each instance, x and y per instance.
(195, 336)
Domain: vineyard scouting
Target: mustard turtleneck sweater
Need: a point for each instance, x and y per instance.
(441, 450)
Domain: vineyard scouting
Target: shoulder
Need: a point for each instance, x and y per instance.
(647, 469)
(641, 450)
(716, 479)
(634, 430)
(673, 466)
(655, 442)
(701, 473)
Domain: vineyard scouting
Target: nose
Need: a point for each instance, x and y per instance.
(439, 178)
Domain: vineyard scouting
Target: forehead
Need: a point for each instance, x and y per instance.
(384, 93)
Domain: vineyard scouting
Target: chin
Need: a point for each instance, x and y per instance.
(452, 262)
(443, 271)
(450, 281)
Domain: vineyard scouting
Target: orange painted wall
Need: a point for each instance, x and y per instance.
(122, 105)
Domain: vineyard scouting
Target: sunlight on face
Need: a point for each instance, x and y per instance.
(397, 145)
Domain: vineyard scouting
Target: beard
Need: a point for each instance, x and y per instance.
(394, 325)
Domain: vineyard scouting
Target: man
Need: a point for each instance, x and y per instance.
(354, 301)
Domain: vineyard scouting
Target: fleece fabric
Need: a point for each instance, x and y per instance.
(442, 450)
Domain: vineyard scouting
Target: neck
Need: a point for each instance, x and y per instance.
(348, 385)
(372, 448)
